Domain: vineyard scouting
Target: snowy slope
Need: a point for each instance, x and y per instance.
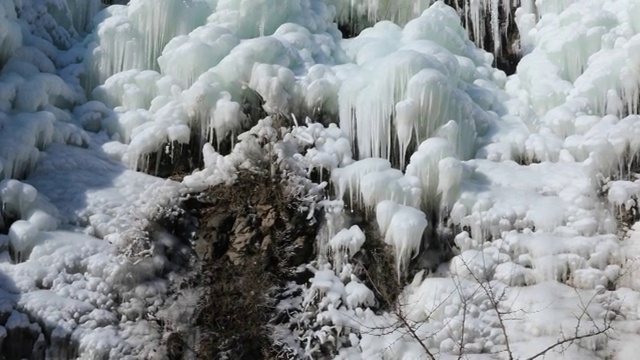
(74, 284)
(532, 173)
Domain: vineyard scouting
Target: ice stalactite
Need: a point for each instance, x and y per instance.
(347, 179)
(10, 32)
(403, 227)
(623, 196)
(491, 23)
(335, 221)
(345, 244)
(133, 36)
(212, 43)
(418, 91)
(82, 12)
(489, 20)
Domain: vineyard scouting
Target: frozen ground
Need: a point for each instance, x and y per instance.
(532, 174)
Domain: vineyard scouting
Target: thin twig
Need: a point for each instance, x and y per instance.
(569, 340)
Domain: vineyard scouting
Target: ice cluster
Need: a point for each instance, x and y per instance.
(75, 280)
(482, 18)
(531, 175)
(290, 61)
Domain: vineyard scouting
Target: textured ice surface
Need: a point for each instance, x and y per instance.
(72, 262)
(530, 172)
(428, 84)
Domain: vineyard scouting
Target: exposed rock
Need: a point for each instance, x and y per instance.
(21, 336)
(250, 239)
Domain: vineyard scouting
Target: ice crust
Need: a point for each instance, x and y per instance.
(408, 121)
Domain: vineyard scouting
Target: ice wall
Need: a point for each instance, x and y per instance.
(423, 131)
(390, 89)
(229, 65)
(300, 66)
(39, 84)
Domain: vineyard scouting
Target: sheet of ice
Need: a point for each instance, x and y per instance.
(70, 279)
(111, 201)
(75, 284)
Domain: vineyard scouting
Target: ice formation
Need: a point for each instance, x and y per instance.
(346, 243)
(531, 201)
(403, 228)
(299, 66)
(75, 220)
(408, 121)
(427, 74)
(483, 18)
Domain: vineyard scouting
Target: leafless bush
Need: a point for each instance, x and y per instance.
(586, 326)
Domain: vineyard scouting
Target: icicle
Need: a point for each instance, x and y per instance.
(402, 227)
(405, 120)
(375, 186)
(450, 171)
(81, 13)
(347, 179)
(424, 164)
(345, 244)
(334, 221)
(494, 7)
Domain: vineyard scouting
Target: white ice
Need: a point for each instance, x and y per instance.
(533, 172)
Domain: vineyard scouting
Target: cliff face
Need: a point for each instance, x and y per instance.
(295, 237)
(251, 242)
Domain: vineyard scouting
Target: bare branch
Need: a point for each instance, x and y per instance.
(404, 321)
(414, 335)
(570, 340)
(494, 303)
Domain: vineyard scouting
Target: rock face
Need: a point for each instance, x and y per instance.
(251, 238)
(20, 339)
(500, 20)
